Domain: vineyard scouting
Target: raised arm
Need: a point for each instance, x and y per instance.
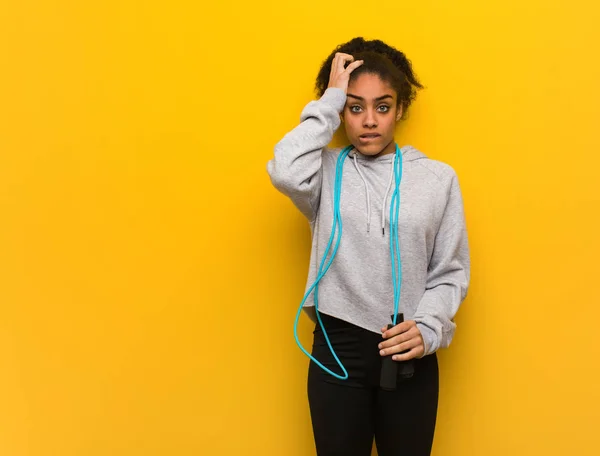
(295, 170)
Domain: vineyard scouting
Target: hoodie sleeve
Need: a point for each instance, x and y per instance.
(295, 170)
(448, 275)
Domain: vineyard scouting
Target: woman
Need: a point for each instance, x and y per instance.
(420, 227)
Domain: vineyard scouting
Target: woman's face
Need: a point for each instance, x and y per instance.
(371, 109)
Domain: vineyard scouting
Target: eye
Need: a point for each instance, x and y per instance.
(386, 108)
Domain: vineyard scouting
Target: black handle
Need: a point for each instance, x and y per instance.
(390, 369)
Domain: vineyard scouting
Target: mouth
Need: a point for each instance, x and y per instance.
(368, 137)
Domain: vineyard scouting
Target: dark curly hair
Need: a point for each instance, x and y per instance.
(390, 64)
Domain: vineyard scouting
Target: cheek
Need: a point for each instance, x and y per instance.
(389, 125)
(352, 126)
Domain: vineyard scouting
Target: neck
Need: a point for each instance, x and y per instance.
(389, 149)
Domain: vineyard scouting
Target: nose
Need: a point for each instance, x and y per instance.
(369, 120)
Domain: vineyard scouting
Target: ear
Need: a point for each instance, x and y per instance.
(399, 111)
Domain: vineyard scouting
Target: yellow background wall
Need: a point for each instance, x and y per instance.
(150, 274)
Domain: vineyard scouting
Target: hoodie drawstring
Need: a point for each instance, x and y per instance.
(387, 191)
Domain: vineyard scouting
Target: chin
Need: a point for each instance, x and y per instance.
(371, 149)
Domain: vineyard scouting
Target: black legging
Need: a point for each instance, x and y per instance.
(347, 414)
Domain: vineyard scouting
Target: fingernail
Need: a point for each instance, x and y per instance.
(395, 358)
(382, 352)
(380, 346)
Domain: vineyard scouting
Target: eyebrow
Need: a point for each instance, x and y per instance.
(376, 99)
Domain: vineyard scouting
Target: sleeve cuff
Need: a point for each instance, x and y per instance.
(429, 338)
(335, 98)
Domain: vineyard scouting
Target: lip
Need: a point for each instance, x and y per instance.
(368, 138)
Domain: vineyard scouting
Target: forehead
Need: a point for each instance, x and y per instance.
(370, 86)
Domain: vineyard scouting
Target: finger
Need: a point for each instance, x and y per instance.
(412, 333)
(333, 67)
(335, 64)
(350, 68)
(401, 347)
(342, 59)
(398, 329)
(407, 335)
(397, 340)
(413, 353)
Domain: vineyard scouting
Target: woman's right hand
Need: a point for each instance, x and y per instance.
(339, 76)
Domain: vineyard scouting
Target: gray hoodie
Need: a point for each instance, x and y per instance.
(434, 249)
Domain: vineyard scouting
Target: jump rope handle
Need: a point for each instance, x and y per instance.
(390, 369)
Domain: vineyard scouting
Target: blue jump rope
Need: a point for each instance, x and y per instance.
(388, 378)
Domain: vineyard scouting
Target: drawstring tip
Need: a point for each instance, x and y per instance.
(383, 231)
(368, 227)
